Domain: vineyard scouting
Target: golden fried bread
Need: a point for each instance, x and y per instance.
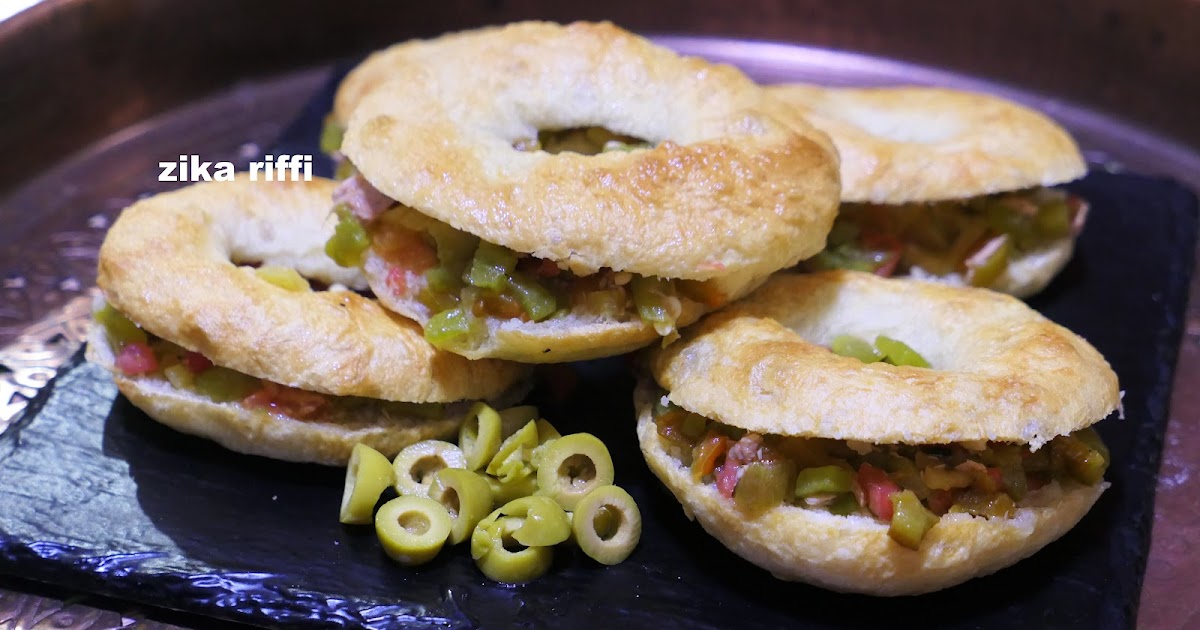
(903, 144)
(727, 189)
(854, 553)
(171, 264)
(1001, 371)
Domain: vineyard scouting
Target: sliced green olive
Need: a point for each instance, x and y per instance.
(942, 478)
(536, 300)
(993, 505)
(1053, 219)
(412, 530)
(854, 347)
(546, 523)
(546, 436)
(491, 266)
(844, 504)
(466, 495)
(899, 353)
(119, 328)
(332, 133)
(479, 437)
(514, 458)
(573, 466)
(285, 278)
(656, 303)
(368, 474)
(506, 491)
(1010, 459)
(344, 170)
(448, 326)
(349, 241)
(986, 266)
(179, 376)
(417, 464)
(1083, 463)
(225, 385)
(607, 524)
(823, 480)
(764, 485)
(910, 519)
(501, 557)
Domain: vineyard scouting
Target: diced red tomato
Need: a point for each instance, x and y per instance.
(878, 489)
(1034, 482)
(727, 477)
(136, 358)
(289, 401)
(404, 248)
(940, 501)
(196, 362)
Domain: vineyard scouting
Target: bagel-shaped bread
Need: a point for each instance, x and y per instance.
(904, 144)
(726, 190)
(854, 553)
(325, 438)
(1001, 371)
(171, 264)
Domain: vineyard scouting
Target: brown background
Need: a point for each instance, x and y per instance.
(75, 71)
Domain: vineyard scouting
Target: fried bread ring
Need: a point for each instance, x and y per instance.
(171, 264)
(854, 553)
(728, 189)
(902, 144)
(915, 145)
(1002, 374)
(1006, 372)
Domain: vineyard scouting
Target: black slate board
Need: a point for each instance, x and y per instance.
(96, 497)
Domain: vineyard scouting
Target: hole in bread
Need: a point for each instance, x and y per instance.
(582, 140)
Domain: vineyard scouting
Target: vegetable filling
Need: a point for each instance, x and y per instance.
(459, 280)
(138, 353)
(975, 238)
(908, 486)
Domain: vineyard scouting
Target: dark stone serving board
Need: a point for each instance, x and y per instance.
(96, 497)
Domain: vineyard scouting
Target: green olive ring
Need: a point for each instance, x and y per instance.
(412, 530)
(515, 455)
(416, 465)
(479, 437)
(497, 553)
(507, 491)
(546, 523)
(368, 474)
(572, 466)
(466, 496)
(607, 525)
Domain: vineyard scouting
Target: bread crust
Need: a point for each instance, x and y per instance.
(728, 189)
(1003, 372)
(166, 264)
(327, 438)
(904, 144)
(855, 553)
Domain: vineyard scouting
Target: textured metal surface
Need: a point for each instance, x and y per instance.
(53, 224)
